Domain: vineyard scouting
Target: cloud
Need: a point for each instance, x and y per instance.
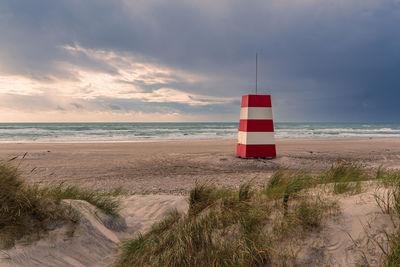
(92, 93)
(333, 60)
(122, 77)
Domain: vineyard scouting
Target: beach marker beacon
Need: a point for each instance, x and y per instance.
(256, 128)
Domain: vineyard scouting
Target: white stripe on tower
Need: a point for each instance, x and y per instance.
(256, 138)
(249, 113)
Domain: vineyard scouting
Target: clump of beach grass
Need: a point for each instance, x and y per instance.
(342, 177)
(388, 178)
(28, 210)
(105, 201)
(346, 177)
(389, 202)
(351, 188)
(344, 171)
(227, 227)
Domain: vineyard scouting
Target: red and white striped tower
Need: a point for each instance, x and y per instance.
(256, 128)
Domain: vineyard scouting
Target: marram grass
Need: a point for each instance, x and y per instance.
(390, 204)
(27, 210)
(226, 228)
(246, 227)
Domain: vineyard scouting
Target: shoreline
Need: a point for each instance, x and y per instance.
(200, 140)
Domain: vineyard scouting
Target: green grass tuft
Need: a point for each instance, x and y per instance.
(102, 200)
(344, 171)
(22, 210)
(27, 210)
(224, 227)
(310, 213)
(245, 192)
(388, 178)
(389, 202)
(202, 196)
(351, 188)
(393, 258)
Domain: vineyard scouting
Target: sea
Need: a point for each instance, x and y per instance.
(139, 132)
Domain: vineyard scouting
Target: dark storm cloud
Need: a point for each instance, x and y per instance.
(321, 60)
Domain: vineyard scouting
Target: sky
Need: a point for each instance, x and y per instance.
(178, 60)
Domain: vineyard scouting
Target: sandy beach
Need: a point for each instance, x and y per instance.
(161, 174)
(174, 167)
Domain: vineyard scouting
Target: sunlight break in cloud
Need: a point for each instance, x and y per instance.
(129, 75)
(122, 77)
(98, 76)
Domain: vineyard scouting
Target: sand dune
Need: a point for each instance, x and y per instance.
(97, 236)
(342, 242)
(345, 240)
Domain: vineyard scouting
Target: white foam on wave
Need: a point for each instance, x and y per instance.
(86, 133)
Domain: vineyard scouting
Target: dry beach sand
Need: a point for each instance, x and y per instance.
(174, 167)
(166, 171)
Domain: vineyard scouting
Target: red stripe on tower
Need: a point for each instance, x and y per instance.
(256, 128)
(256, 101)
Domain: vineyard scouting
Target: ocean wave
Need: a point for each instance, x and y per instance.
(133, 132)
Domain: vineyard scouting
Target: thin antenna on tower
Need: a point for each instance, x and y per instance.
(256, 71)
